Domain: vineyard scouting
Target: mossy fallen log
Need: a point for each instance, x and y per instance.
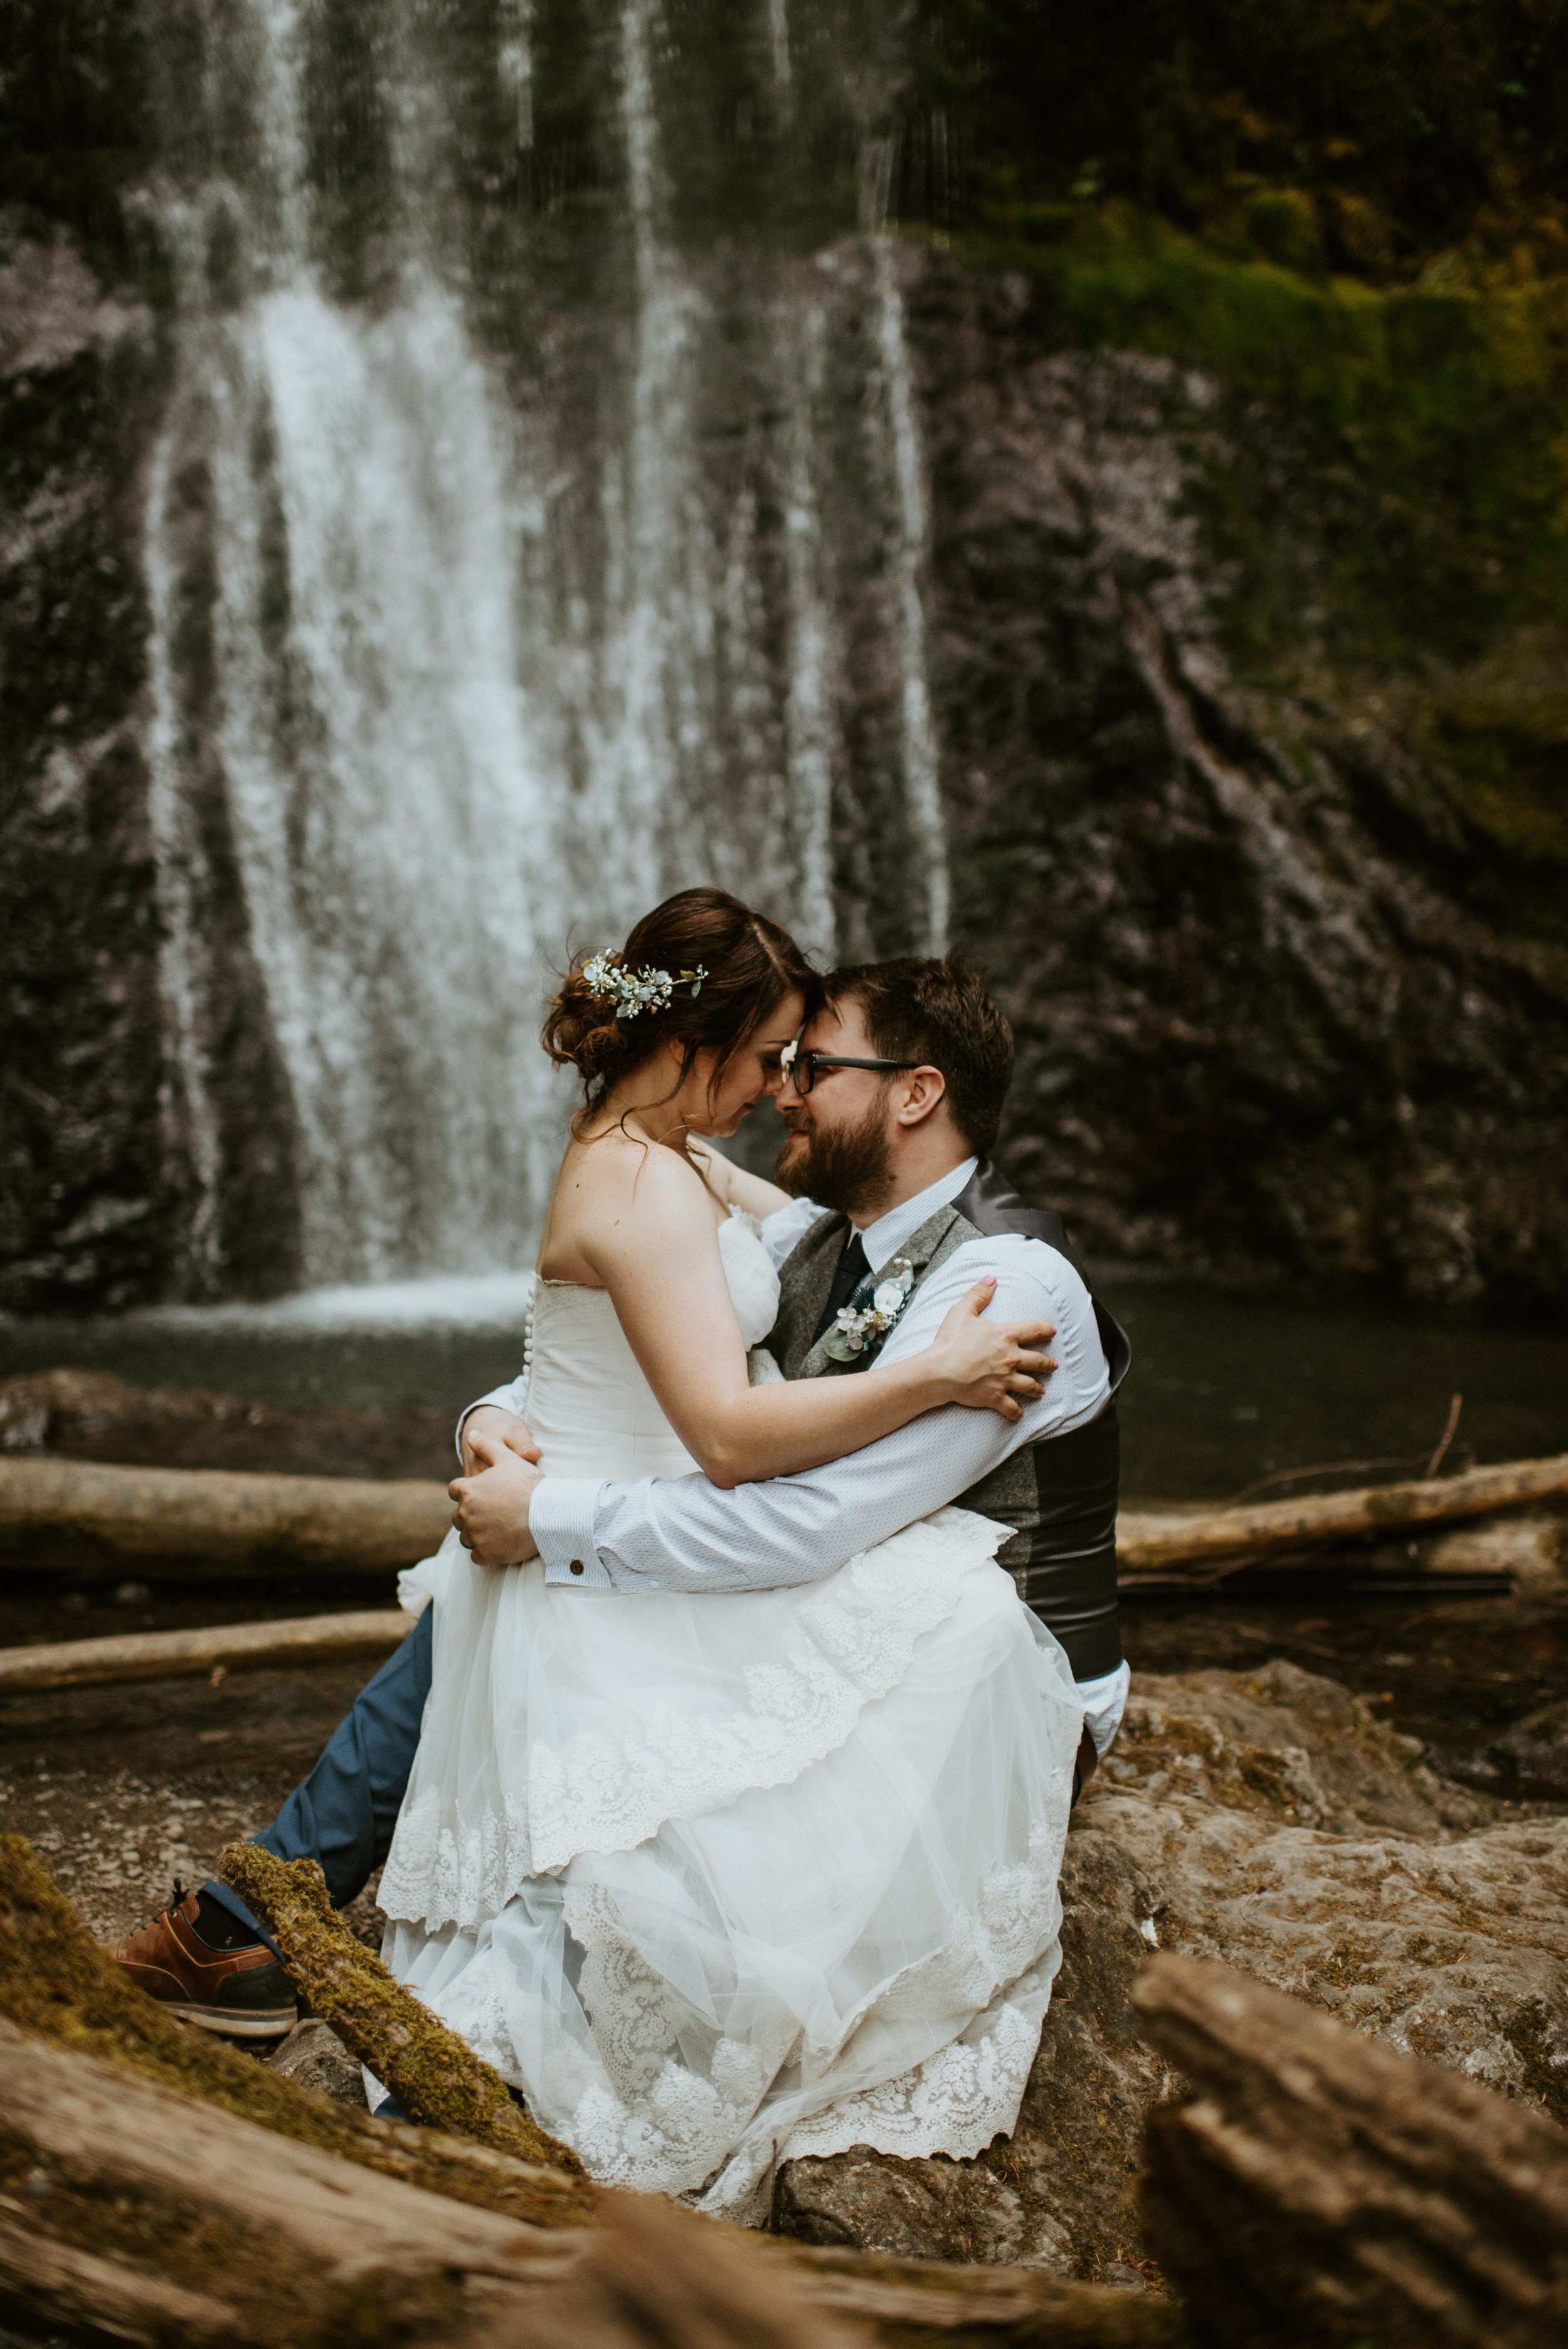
(157, 2187)
(54, 1980)
(76, 1515)
(197, 2226)
(132, 2213)
(436, 2075)
(1320, 2189)
(354, 1638)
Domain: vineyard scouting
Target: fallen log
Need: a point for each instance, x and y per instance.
(143, 2215)
(1149, 1544)
(55, 1981)
(146, 2213)
(1322, 2190)
(158, 2187)
(79, 1515)
(435, 2076)
(188, 1655)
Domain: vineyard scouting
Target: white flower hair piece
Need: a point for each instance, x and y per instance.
(636, 991)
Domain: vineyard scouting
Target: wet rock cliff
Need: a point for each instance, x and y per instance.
(1263, 1019)
(464, 479)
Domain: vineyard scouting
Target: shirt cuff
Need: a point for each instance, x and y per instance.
(560, 1520)
(1104, 1702)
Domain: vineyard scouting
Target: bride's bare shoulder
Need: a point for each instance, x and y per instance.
(616, 1197)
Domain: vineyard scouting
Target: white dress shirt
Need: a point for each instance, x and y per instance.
(686, 1534)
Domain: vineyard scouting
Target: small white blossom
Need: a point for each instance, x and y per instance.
(855, 1328)
(636, 991)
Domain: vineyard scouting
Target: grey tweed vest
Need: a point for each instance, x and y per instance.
(1057, 1493)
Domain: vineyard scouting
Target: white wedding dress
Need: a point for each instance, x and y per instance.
(716, 1880)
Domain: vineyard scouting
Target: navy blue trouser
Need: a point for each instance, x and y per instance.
(344, 1813)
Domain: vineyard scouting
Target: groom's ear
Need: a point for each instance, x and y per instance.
(919, 1094)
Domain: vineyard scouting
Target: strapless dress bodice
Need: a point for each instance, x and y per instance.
(590, 1408)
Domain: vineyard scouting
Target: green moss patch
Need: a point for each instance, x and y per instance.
(435, 2074)
(56, 1981)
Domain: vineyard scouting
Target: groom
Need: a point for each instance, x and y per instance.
(893, 1097)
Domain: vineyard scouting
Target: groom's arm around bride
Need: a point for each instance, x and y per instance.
(888, 1175)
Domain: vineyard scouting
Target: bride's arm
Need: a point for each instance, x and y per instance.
(654, 1244)
(731, 1185)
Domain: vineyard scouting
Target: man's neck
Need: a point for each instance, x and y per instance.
(908, 1182)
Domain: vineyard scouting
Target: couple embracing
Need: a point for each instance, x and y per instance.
(722, 1784)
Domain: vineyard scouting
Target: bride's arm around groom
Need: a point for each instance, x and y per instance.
(905, 1188)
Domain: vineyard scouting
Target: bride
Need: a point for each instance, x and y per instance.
(716, 1880)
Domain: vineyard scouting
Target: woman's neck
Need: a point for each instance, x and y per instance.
(653, 1101)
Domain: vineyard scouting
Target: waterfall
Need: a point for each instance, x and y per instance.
(513, 558)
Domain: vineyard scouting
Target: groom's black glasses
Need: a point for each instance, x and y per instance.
(805, 1067)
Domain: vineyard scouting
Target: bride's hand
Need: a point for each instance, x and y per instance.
(991, 1365)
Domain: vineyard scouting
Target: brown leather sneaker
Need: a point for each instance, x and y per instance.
(244, 1993)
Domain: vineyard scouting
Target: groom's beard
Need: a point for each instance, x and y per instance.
(848, 1167)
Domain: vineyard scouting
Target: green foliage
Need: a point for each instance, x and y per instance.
(1383, 484)
(1399, 127)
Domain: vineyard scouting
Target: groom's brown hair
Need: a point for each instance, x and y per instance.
(941, 1013)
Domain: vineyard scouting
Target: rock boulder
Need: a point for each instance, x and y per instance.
(1267, 1819)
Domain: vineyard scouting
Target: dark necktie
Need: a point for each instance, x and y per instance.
(852, 1269)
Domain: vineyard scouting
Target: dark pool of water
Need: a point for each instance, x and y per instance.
(1225, 1388)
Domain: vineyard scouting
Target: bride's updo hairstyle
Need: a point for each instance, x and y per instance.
(747, 966)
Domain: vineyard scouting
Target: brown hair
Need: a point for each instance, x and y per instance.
(941, 1013)
(751, 966)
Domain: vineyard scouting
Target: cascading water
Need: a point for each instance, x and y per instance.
(508, 553)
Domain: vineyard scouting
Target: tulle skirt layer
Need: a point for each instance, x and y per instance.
(720, 1880)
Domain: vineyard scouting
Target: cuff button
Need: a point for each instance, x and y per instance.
(576, 1566)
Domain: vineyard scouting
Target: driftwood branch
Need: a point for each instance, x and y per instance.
(1322, 2190)
(1147, 1543)
(433, 2074)
(185, 1655)
(75, 1514)
(1434, 1461)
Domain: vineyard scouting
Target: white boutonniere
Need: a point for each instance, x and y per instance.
(861, 1325)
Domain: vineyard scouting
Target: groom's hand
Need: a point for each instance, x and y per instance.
(501, 1427)
(491, 1516)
